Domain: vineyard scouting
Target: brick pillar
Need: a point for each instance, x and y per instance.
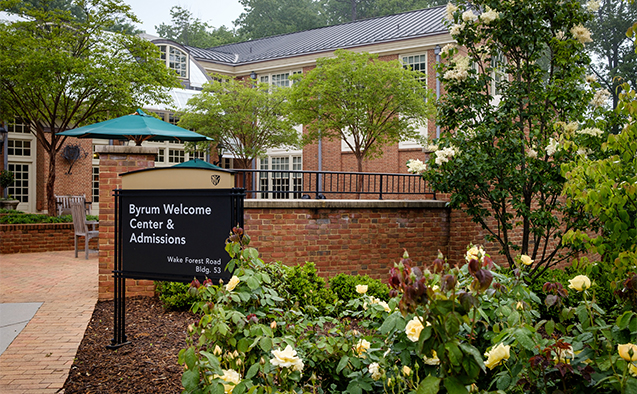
(116, 160)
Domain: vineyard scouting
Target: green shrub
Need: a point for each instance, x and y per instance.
(30, 218)
(174, 296)
(308, 289)
(344, 286)
(18, 217)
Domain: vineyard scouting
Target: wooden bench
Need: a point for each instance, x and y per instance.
(64, 204)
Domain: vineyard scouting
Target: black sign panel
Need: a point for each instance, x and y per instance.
(177, 234)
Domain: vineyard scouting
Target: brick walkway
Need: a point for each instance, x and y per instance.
(39, 359)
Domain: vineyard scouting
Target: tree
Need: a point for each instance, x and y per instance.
(613, 51)
(247, 119)
(501, 161)
(264, 18)
(606, 187)
(342, 11)
(58, 72)
(188, 31)
(361, 100)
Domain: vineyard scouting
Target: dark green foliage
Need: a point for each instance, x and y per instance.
(30, 218)
(174, 296)
(344, 286)
(308, 289)
(19, 217)
(601, 276)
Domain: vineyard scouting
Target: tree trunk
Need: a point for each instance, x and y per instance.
(50, 184)
(359, 180)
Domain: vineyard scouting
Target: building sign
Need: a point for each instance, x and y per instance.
(177, 235)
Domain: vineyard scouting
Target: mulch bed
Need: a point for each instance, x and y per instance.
(148, 364)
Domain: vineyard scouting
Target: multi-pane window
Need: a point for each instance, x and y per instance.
(281, 80)
(18, 126)
(175, 59)
(20, 187)
(416, 63)
(176, 156)
(498, 62)
(198, 154)
(283, 181)
(95, 189)
(19, 148)
(160, 156)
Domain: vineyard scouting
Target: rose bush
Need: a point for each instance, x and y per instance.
(448, 328)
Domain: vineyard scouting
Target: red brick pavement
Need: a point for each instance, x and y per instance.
(39, 359)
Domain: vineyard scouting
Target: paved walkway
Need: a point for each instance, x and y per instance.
(39, 359)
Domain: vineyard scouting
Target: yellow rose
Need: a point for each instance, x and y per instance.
(217, 351)
(496, 355)
(287, 358)
(526, 260)
(564, 355)
(231, 378)
(433, 360)
(519, 305)
(624, 351)
(362, 346)
(472, 254)
(580, 283)
(632, 369)
(234, 281)
(413, 328)
(406, 370)
(361, 289)
(375, 371)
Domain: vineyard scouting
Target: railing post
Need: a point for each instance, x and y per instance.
(381, 187)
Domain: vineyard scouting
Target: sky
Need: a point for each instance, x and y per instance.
(215, 12)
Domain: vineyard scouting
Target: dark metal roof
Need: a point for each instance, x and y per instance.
(413, 24)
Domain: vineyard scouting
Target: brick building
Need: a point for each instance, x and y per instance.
(411, 37)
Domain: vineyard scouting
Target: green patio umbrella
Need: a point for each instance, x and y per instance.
(137, 127)
(198, 163)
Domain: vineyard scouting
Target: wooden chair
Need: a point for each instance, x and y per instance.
(81, 225)
(64, 204)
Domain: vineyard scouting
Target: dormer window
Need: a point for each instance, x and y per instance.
(175, 59)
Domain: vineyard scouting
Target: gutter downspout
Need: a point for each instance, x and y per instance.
(437, 51)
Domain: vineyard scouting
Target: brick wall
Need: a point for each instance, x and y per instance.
(78, 182)
(354, 237)
(42, 237)
(116, 160)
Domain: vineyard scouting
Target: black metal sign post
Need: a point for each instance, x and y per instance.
(172, 235)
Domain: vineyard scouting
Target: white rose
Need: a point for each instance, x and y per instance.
(287, 358)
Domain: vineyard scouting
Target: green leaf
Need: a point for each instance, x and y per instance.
(524, 339)
(190, 379)
(391, 323)
(190, 358)
(244, 345)
(454, 353)
(549, 327)
(623, 320)
(430, 385)
(252, 283)
(342, 364)
(266, 344)
(454, 386)
(468, 349)
(252, 371)
(504, 382)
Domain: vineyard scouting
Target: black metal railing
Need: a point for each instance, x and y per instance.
(290, 184)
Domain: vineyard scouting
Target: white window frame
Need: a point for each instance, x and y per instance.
(424, 129)
(271, 77)
(170, 51)
(24, 135)
(295, 162)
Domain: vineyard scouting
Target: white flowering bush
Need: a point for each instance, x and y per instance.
(517, 107)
